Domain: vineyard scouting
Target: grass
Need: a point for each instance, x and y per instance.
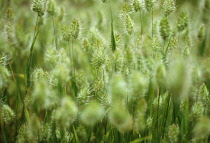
(105, 71)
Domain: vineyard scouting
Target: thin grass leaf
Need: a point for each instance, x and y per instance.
(113, 42)
(141, 139)
(202, 46)
(29, 62)
(106, 136)
(75, 135)
(26, 115)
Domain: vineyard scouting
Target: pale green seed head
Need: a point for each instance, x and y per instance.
(149, 4)
(62, 73)
(4, 76)
(128, 24)
(126, 8)
(182, 22)
(118, 88)
(84, 96)
(179, 78)
(8, 114)
(197, 110)
(120, 117)
(39, 6)
(202, 128)
(43, 95)
(204, 94)
(164, 28)
(161, 75)
(136, 5)
(66, 114)
(82, 134)
(138, 85)
(139, 118)
(66, 33)
(98, 58)
(45, 132)
(92, 114)
(173, 133)
(149, 122)
(118, 59)
(75, 27)
(61, 14)
(51, 57)
(51, 8)
(98, 85)
(169, 6)
(86, 45)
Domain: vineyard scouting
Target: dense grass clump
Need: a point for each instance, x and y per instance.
(113, 71)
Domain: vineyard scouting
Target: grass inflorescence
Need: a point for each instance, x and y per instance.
(105, 71)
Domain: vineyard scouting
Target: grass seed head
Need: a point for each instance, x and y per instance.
(164, 28)
(82, 134)
(202, 128)
(126, 8)
(161, 75)
(173, 133)
(120, 117)
(45, 132)
(75, 27)
(197, 110)
(84, 96)
(8, 114)
(86, 45)
(4, 76)
(139, 118)
(61, 14)
(178, 79)
(138, 85)
(51, 8)
(118, 58)
(98, 58)
(149, 4)
(43, 95)
(92, 113)
(149, 122)
(66, 33)
(61, 72)
(128, 24)
(39, 6)
(136, 5)
(66, 114)
(169, 6)
(204, 94)
(183, 22)
(118, 88)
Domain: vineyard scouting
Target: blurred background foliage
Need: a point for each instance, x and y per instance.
(139, 60)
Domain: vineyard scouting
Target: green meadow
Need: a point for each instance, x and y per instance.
(105, 71)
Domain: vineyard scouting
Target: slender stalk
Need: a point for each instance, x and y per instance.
(111, 11)
(55, 33)
(152, 22)
(72, 52)
(73, 68)
(157, 118)
(141, 23)
(134, 39)
(29, 62)
(166, 115)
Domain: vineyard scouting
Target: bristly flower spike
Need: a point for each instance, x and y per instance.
(39, 7)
